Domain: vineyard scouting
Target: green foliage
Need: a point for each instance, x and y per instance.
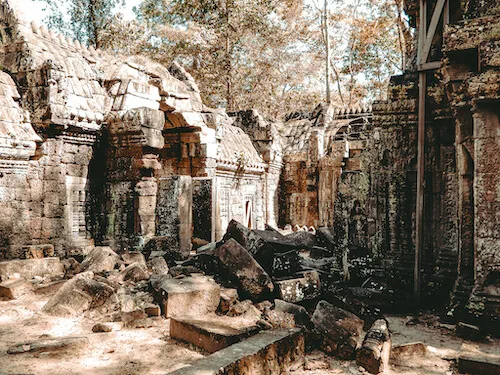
(83, 20)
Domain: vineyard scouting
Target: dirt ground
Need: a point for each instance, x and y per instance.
(150, 351)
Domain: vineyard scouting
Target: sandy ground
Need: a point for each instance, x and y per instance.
(150, 351)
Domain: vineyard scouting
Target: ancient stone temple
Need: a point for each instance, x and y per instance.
(101, 149)
(112, 150)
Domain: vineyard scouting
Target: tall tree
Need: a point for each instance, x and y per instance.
(84, 20)
(243, 53)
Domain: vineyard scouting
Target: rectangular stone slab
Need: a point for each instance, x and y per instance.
(269, 352)
(211, 333)
(29, 268)
(12, 289)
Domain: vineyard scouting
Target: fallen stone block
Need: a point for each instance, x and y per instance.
(374, 354)
(134, 272)
(207, 249)
(253, 281)
(400, 353)
(196, 295)
(211, 333)
(469, 332)
(15, 288)
(50, 345)
(100, 259)
(134, 257)
(303, 239)
(305, 287)
(38, 251)
(339, 331)
(478, 363)
(71, 266)
(268, 352)
(77, 296)
(29, 268)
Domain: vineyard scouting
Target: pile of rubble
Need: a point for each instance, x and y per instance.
(223, 293)
(252, 294)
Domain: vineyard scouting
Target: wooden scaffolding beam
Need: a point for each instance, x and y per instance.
(425, 37)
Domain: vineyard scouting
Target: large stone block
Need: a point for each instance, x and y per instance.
(339, 330)
(196, 296)
(253, 281)
(212, 333)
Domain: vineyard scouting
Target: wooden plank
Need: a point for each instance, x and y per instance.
(431, 31)
(421, 29)
(420, 183)
(430, 66)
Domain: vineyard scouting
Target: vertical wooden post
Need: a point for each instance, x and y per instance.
(422, 86)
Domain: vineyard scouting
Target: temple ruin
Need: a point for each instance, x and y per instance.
(119, 152)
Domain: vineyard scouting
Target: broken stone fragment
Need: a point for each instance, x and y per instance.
(245, 309)
(177, 271)
(135, 272)
(77, 296)
(305, 287)
(15, 288)
(101, 327)
(100, 259)
(253, 281)
(195, 295)
(299, 313)
(207, 249)
(338, 330)
(374, 354)
(50, 345)
(469, 332)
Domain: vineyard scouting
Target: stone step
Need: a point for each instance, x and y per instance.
(268, 352)
(212, 333)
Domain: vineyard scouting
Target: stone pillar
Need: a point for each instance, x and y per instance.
(203, 206)
(174, 210)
